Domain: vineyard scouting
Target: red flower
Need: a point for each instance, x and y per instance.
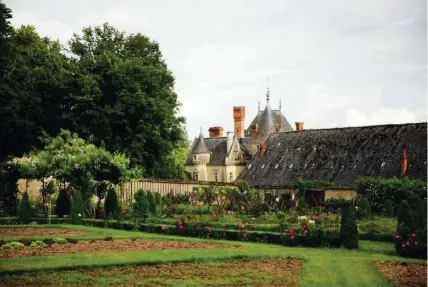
(240, 225)
(254, 227)
(397, 236)
(403, 245)
(305, 232)
(245, 235)
(291, 237)
(213, 216)
(413, 234)
(172, 215)
(185, 222)
(291, 231)
(123, 212)
(416, 243)
(407, 243)
(163, 226)
(180, 226)
(304, 226)
(278, 225)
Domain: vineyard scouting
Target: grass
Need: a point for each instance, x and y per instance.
(322, 266)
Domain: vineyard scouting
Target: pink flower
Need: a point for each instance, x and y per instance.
(245, 235)
(304, 226)
(102, 209)
(240, 225)
(291, 231)
(291, 237)
(407, 243)
(180, 226)
(413, 234)
(186, 222)
(397, 236)
(163, 226)
(416, 243)
(123, 212)
(403, 245)
(278, 225)
(305, 232)
(172, 215)
(254, 227)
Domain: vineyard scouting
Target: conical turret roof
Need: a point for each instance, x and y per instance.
(267, 123)
(200, 146)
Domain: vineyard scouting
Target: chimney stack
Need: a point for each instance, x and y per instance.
(299, 126)
(229, 141)
(239, 117)
(403, 161)
(216, 132)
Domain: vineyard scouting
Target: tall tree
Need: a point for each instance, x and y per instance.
(33, 90)
(123, 96)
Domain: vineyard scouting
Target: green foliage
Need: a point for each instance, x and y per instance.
(194, 209)
(63, 204)
(302, 194)
(59, 240)
(378, 190)
(333, 204)
(158, 198)
(25, 210)
(111, 204)
(140, 208)
(364, 210)
(9, 176)
(348, 228)
(388, 208)
(77, 208)
(405, 216)
(38, 244)
(13, 245)
(152, 203)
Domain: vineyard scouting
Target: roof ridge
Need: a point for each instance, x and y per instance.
(342, 128)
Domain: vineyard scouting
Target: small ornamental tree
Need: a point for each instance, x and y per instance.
(111, 204)
(77, 208)
(388, 208)
(364, 210)
(348, 228)
(152, 202)
(63, 204)
(140, 208)
(25, 210)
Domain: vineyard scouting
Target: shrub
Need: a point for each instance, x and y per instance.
(333, 204)
(13, 244)
(9, 176)
(378, 190)
(77, 208)
(26, 242)
(111, 204)
(63, 204)
(38, 244)
(25, 210)
(152, 203)
(59, 240)
(348, 228)
(48, 241)
(364, 210)
(388, 208)
(158, 198)
(140, 208)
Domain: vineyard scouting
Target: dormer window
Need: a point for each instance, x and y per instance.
(194, 157)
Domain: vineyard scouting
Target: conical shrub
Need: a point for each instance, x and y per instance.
(364, 210)
(77, 208)
(152, 202)
(111, 204)
(140, 208)
(25, 210)
(348, 229)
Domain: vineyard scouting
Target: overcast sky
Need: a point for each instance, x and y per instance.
(333, 62)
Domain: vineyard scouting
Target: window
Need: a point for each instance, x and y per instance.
(215, 176)
(195, 176)
(231, 177)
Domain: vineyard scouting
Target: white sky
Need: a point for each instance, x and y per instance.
(333, 62)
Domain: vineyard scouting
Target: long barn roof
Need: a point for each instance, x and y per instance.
(339, 155)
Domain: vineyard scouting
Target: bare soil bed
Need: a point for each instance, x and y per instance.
(404, 274)
(269, 272)
(31, 231)
(118, 245)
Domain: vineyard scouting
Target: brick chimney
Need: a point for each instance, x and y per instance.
(254, 130)
(262, 149)
(403, 161)
(239, 117)
(216, 132)
(299, 126)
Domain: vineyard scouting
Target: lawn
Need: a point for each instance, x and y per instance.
(313, 267)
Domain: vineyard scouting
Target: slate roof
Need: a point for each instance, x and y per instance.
(267, 118)
(200, 146)
(339, 155)
(218, 148)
